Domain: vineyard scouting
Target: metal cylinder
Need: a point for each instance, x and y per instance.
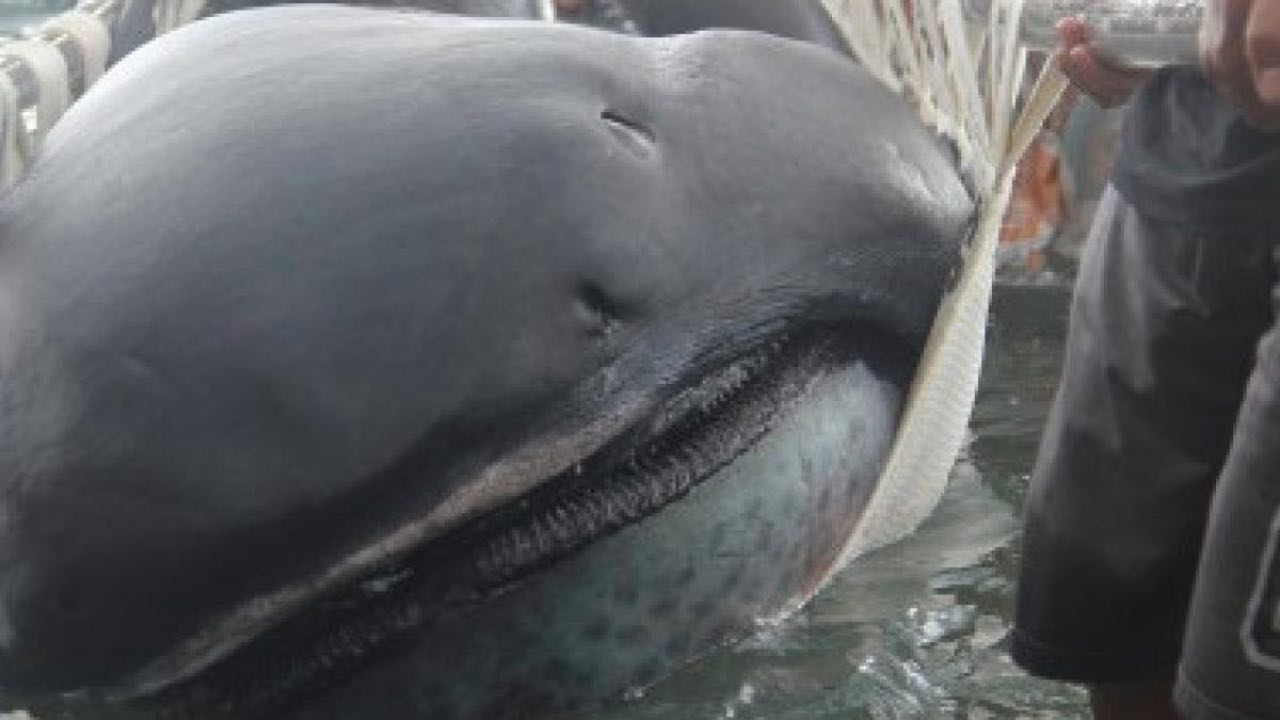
(1132, 33)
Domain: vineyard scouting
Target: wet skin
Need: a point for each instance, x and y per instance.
(369, 364)
(797, 19)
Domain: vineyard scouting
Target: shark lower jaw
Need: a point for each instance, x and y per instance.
(702, 429)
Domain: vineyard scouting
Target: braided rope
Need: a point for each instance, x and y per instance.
(90, 38)
(15, 147)
(41, 76)
(48, 67)
(966, 81)
(169, 15)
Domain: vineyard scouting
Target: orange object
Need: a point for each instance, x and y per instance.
(1038, 206)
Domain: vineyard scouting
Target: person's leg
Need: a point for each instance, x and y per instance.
(1231, 661)
(1163, 331)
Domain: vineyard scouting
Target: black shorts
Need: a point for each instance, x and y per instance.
(1142, 440)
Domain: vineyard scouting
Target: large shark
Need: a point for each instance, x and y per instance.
(368, 364)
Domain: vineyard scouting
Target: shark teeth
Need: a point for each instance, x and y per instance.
(703, 429)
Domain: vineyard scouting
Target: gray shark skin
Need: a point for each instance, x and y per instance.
(797, 19)
(526, 9)
(358, 363)
(136, 24)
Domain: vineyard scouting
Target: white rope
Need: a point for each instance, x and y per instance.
(963, 65)
(86, 34)
(965, 80)
(53, 89)
(169, 15)
(92, 39)
(14, 148)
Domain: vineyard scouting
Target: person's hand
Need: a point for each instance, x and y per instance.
(1240, 52)
(1107, 83)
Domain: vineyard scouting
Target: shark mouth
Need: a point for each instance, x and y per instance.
(702, 428)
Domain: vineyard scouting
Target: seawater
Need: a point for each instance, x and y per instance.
(919, 629)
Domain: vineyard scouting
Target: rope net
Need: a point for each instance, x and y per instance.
(964, 68)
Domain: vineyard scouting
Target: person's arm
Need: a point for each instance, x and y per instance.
(1240, 52)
